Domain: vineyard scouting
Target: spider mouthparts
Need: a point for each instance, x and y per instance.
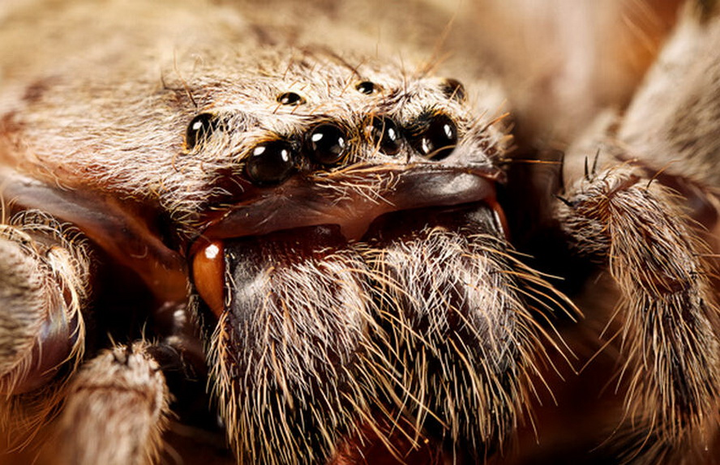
(311, 287)
(297, 220)
(351, 199)
(287, 246)
(300, 316)
(294, 246)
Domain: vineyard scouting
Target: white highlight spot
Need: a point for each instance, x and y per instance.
(212, 251)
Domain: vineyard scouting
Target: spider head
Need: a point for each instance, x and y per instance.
(343, 252)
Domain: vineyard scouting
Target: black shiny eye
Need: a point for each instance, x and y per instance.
(367, 87)
(290, 98)
(271, 163)
(453, 89)
(327, 144)
(385, 135)
(435, 137)
(200, 129)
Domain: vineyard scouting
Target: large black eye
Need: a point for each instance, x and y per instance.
(327, 144)
(385, 135)
(435, 137)
(290, 98)
(200, 129)
(271, 163)
(367, 87)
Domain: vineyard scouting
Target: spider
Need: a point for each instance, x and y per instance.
(238, 233)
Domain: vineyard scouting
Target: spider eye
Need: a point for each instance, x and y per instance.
(271, 163)
(200, 129)
(385, 135)
(435, 138)
(327, 144)
(453, 89)
(367, 87)
(290, 98)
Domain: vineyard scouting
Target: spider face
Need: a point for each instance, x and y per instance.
(322, 262)
(305, 253)
(339, 229)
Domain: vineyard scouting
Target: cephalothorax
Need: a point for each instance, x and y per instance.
(206, 215)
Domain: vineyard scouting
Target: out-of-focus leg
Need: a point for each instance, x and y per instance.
(668, 313)
(116, 408)
(44, 275)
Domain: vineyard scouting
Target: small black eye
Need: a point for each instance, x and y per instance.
(200, 129)
(290, 98)
(385, 135)
(367, 87)
(453, 89)
(327, 144)
(435, 137)
(271, 163)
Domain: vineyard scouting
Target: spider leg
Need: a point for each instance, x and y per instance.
(668, 312)
(640, 219)
(44, 273)
(121, 398)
